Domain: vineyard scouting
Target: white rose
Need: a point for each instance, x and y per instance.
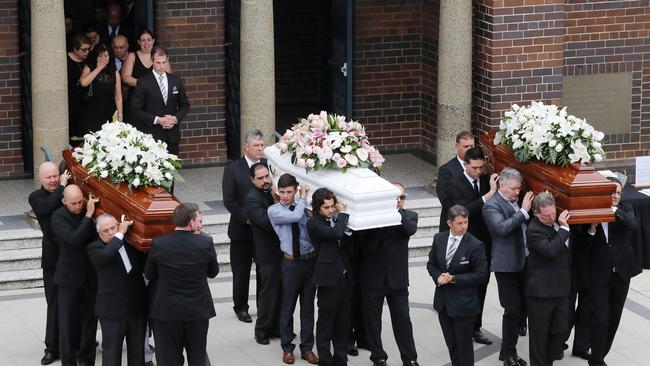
(598, 157)
(103, 174)
(136, 182)
(168, 176)
(138, 169)
(559, 147)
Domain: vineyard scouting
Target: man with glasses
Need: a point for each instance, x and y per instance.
(384, 275)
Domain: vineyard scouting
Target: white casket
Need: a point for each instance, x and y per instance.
(371, 200)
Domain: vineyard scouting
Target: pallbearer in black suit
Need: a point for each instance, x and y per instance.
(44, 201)
(160, 103)
(75, 278)
(236, 184)
(181, 306)
(471, 190)
(289, 220)
(267, 254)
(614, 261)
(452, 168)
(121, 293)
(457, 265)
(332, 276)
(384, 274)
(549, 280)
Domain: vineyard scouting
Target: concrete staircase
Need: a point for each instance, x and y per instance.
(20, 250)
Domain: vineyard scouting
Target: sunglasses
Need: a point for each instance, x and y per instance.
(84, 49)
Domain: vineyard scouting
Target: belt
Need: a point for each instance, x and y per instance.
(302, 257)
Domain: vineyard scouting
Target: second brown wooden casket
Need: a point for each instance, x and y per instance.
(150, 208)
(577, 187)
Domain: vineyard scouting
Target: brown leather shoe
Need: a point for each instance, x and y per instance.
(310, 357)
(287, 357)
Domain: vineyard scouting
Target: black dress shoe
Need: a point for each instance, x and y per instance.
(412, 363)
(520, 361)
(511, 361)
(353, 351)
(585, 354)
(523, 330)
(243, 316)
(379, 363)
(48, 358)
(479, 337)
(262, 340)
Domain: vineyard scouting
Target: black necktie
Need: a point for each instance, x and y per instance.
(113, 32)
(476, 191)
(295, 233)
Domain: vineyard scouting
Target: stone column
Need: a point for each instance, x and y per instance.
(257, 65)
(49, 80)
(454, 75)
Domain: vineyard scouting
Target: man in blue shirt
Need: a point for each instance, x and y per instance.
(289, 220)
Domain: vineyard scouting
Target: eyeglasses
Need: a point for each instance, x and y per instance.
(84, 49)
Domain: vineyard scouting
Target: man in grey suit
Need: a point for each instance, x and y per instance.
(506, 221)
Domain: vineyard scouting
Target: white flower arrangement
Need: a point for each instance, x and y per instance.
(120, 153)
(548, 133)
(327, 141)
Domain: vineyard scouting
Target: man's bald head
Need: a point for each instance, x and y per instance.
(73, 199)
(48, 175)
(120, 46)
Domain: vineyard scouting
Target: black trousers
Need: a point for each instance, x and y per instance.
(297, 282)
(172, 337)
(580, 319)
(548, 322)
(482, 291)
(608, 299)
(114, 331)
(269, 297)
(510, 286)
(241, 261)
(77, 325)
(333, 324)
(398, 305)
(52, 323)
(458, 337)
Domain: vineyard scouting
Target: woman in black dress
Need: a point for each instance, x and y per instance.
(76, 58)
(100, 75)
(138, 63)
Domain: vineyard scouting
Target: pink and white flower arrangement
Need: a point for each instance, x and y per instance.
(548, 133)
(328, 141)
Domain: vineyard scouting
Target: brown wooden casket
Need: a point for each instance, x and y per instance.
(577, 187)
(150, 208)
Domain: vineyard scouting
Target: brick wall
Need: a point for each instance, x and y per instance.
(394, 76)
(523, 48)
(614, 36)
(518, 56)
(193, 33)
(11, 160)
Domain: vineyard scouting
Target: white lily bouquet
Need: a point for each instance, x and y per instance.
(328, 141)
(548, 133)
(120, 153)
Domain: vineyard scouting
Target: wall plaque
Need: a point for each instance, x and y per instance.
(604, 100)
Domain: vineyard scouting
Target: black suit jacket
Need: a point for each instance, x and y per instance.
(235, 184)
(179, 264)
(446, 172)
(469, 268)
(385, 254)
(332, 263)
(549, 262)
(461, 191)
(267, 243)
(147, 104)
(118, 293)
(73, 233)
(619, 252)
(44, 204)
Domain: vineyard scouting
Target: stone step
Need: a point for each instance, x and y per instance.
(20, 259)
(28, 278)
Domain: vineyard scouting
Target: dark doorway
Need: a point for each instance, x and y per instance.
(313, 47)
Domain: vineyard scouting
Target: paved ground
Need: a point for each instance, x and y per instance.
(22, 322)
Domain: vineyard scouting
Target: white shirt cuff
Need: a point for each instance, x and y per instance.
(525, 213)
(565, 228)
(119, 235)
